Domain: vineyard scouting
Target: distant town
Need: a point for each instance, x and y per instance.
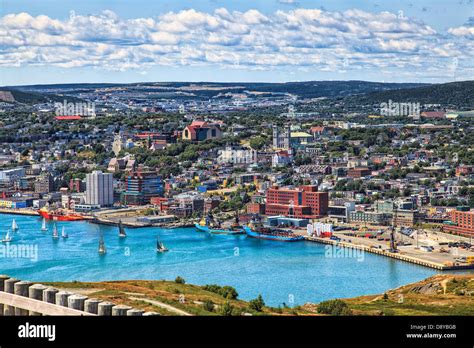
(393, 177)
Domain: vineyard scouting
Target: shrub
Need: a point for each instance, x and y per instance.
(208, 305)
(257, 304)
(226, 309)
(334, 307)
(225, 291)
(180, 280)
(385, 296)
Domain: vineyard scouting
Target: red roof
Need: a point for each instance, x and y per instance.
(317, 129)
(433, 114)
(198, 124)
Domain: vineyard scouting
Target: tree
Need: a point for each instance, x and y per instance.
(227, 309)
(257, 143)
(180, 280)
(257, 304)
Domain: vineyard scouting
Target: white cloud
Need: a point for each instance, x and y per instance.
(302, 38)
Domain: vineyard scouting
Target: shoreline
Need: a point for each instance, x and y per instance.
(349, 245)
(397, 256)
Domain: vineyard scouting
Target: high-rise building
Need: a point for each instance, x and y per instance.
(99, 189)
(140, 186)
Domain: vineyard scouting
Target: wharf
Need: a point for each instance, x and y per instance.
(19, 211)
(399, 255)
(136, 224)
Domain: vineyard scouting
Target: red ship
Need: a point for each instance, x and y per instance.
(59, 215)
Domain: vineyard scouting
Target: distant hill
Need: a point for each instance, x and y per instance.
(9, 95)
(460, 94)
(316, 89)
(305, 89)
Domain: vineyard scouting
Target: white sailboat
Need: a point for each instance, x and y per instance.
(55, 232)
(102, 249)
(160, 247)
(64, 234)
(14, 225)
(43, 226)
(7, 238)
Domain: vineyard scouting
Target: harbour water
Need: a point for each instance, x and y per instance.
(290, 273)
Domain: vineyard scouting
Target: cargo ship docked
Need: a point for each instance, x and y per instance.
(262, 232)
(59, 215)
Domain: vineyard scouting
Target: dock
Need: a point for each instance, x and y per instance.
(29, 212)
(398, 255)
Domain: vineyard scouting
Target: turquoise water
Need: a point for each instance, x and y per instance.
(291, 273)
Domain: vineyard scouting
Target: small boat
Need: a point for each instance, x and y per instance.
(14, 226)
(7, 238)
(43, 226)
(55, 232)
(122, 233)
(64, 234)
(102, 249)
(160, 247)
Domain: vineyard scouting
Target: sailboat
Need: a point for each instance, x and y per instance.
(160, 247)
(14, 226)
(102, 249)
(64, 234)
(122, 233)
(55, 232)
(43, 226)
(7, 238)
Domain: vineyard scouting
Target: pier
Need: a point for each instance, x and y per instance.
(400, 255)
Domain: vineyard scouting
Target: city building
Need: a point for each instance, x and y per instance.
(341, 212)
(282, 158)
(99, 189)
(368, 217)
(77, 185)
(140, 186)
(461, 222)
(200, 131)
(405, 217)
(281, 138)
(358, 172)
(9, 175)
(302, 202)
(44, 184)
(237, 155)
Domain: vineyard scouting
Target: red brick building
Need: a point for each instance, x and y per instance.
(255, 208)
(463, 222)
(358, 172)
(302, 202)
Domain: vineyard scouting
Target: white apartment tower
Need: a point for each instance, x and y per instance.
(99, 189)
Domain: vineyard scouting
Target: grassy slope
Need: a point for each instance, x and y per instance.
(169, 292)
(445, 294)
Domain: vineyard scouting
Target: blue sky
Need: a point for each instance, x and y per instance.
(260, 40)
